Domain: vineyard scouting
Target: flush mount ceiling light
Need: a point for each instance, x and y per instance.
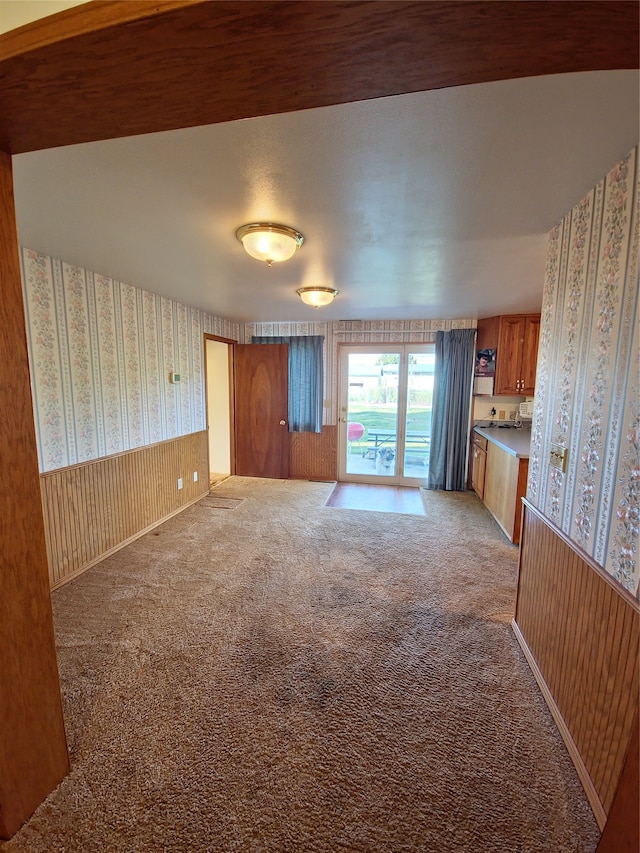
(317, 296)
(269, 242)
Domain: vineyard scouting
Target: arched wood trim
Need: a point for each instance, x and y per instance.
(63, 80)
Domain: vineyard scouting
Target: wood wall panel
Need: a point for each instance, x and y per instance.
(33, 749)
(94, 508)
(622, 831)
(580, 632)
(86, 73)
(314, 455)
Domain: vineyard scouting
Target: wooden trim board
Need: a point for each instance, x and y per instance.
(106, 69)
(33, 749)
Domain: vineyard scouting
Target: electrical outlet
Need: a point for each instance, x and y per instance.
(179, 483)
(501, 415)
(195, 476)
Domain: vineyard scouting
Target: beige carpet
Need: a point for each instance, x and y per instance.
(293, 677)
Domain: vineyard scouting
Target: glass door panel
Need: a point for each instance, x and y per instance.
(371, 413)
(385, 412)
(419, 392)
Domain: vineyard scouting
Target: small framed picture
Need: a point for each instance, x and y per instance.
(485, 362)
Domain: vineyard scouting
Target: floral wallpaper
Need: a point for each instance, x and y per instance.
(587, 386)
(101, 352)
(356, 332)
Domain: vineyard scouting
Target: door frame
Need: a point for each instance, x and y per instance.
(207, 391)
(403, 349)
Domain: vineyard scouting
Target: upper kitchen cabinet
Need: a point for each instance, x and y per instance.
(517, 354)
(515, 338)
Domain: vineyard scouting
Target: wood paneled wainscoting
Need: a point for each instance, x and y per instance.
(97, 507)
(579, 631)
(314, 455)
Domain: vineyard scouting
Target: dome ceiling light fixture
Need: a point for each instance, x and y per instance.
(317, 296)
(269, 242)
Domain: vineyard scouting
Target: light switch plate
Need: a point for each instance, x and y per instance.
(558, 457)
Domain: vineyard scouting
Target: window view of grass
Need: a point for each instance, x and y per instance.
(384, 416)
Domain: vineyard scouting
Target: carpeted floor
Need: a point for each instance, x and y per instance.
(291, 677)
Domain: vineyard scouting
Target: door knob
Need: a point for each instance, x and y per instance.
(282, 423)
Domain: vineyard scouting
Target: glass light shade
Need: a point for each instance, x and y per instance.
(269, 242)
(317, 296)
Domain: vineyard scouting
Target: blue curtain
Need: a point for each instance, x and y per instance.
(455, 354)
(306, 379)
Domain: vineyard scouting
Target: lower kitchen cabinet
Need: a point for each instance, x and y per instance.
(505, 483)
(478, 464)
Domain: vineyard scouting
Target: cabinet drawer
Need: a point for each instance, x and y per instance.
(480, 441)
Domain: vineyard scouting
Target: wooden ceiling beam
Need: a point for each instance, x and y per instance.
(109, 69)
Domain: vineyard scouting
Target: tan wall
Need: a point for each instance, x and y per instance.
(16, 14)
(218, 406)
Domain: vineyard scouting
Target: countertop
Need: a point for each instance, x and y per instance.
(514, 441)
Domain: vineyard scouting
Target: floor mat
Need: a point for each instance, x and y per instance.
(375, 498)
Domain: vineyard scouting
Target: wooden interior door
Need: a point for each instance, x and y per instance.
(261, 379)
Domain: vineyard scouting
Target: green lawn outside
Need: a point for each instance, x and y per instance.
(384, 417)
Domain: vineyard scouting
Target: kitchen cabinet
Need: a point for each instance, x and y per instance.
(517, 354)
(515, 338)
(505, 485)
(478, 464)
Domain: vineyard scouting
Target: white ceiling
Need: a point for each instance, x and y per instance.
(427, 205)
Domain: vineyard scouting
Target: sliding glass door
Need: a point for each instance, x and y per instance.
(385, 412)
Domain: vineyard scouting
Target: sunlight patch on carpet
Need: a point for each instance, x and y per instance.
(505, 617)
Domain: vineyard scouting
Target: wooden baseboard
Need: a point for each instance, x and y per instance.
(583, 773)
